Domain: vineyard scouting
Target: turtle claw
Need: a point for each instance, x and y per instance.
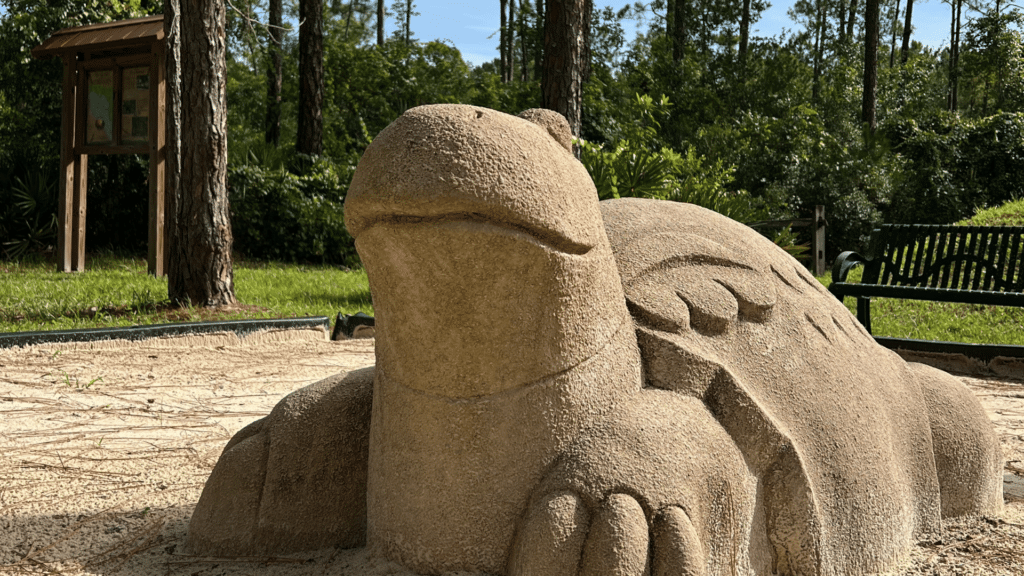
(618, 543)
(678, 550)
(550, 542)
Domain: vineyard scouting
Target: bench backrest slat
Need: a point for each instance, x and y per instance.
(934, 258)
(921, 252)
(906, 268)
(981, 252)
(1014, 277)
(963, 248)
(998, 281)
(951, 257)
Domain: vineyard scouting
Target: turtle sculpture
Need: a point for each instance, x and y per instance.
(565, 387)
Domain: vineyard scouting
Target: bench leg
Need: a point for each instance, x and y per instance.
(864, 312)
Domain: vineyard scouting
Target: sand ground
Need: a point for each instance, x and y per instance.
(104, 449)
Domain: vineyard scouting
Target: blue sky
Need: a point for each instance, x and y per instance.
(468, 24)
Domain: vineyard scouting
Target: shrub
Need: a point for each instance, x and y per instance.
(28, 214)
(279, 215)
(955, 166)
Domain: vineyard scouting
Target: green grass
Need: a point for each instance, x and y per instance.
(1009, 214)
(116, 291)
(945, 321)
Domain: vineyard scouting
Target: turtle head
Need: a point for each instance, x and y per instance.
(486, 252)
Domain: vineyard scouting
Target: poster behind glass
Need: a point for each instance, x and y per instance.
(135, 105)
(99, 128)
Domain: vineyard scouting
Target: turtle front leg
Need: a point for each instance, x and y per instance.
(295, 480)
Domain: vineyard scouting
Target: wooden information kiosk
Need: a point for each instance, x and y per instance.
(113, 103)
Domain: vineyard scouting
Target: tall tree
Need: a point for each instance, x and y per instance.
(172, 129)
(541, 23)
(511, 39)
(895, 27)
(503, 40)
(310, 136)
(275, 38)
(380, 22)
(744, 30)
(565, 64)
(524, 7)
(907, 28)
(676, 14)
(871, 15)
(405, 10)
(841, 9)
(954, 55)
(819, 48)
(852, 20)
(199, 269)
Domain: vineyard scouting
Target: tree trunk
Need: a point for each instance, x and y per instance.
(200, 271)
(744, 30)
(538, 54)
(895, 25)
(819, 48)
(905, 53)
(172, 129)
(675, 26)
(870, 63)
(511, 39)
(842, 21)
(853, 20)
(503, 41)
(954, 56)
(274, 41)
(310, 137)
(380, 22)
(523, 56)
(408, 22)
(564, 65)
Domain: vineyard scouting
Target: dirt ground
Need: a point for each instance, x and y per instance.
(104, 449)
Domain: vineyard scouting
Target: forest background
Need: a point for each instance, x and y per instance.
(691, 108)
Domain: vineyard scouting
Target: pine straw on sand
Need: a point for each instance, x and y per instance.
(104, 449)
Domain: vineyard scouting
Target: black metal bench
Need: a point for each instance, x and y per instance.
(969, 264)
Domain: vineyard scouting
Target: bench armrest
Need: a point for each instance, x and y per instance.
(844, 263)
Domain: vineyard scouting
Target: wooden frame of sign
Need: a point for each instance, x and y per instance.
(114, 99)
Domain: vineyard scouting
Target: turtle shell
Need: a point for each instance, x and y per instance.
(835, 427)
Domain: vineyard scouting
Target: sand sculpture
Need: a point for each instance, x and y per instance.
(570, 387)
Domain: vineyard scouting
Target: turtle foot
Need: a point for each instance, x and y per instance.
(560, 537)
(293, 481)
(968, 459)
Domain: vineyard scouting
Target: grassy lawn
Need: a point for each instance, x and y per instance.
(946, 321)
(116, 291)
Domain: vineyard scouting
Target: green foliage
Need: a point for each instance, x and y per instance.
(280, 215)
(993, 62)
(637, 167)
(28, 220)
(956, 166)
(795, 162)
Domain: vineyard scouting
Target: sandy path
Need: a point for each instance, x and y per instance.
(104, 449)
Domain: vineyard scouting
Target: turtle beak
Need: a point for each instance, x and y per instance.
(447, 163)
